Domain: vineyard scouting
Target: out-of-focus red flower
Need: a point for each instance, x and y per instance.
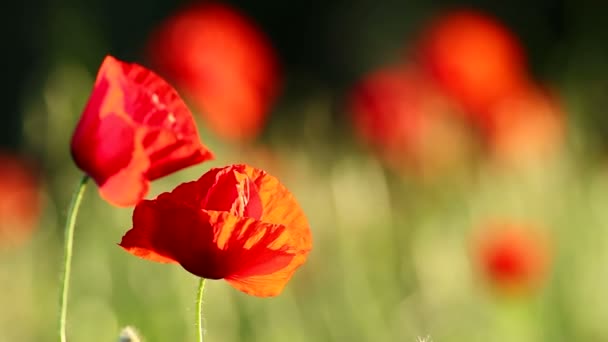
(223, 62)
(525, 127)
(411, 125)
(473, 57)
(20, 200)
(513, 257)
(134, 129)
(235, 223)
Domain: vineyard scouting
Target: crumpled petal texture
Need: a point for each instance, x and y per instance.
(235, 223)
(134, 129)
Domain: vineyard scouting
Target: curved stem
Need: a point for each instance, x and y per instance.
(199, 310)
(70, 223)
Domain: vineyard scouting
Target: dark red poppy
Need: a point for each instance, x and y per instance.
(223, 62)
(513, 257)
(473, 57)
(20, 200)
(235, 223)
(134, 129)
(407, 121)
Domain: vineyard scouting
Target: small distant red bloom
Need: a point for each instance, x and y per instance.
(235, 223)
(473, 57)
(134, 129)
(223, 62)
(407, 121)
(20, 200)
(386, 105)
(512, 256)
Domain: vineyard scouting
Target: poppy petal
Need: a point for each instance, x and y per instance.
(141, 240)
(134, 129)
(233, 191)
(223, 189)
(280, 206)
(238, 245)
(268, 285)
(102, 144)
(172, 138)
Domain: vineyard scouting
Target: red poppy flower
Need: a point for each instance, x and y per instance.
(473, 57)
(134, 129)
(235, 223)
(408, 121)
(513, 257)
(223, 62)
(20, 200)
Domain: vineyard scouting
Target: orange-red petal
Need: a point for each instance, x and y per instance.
(142, 241)
(279, 206)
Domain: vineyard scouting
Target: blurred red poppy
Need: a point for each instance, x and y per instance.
(223, 62)
(525, 127)
(473, 57)
(134, 129)
(20, 200)
(235, 223)
(407, 121)
(513, 257)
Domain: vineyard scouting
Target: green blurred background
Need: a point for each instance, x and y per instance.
(391, 258)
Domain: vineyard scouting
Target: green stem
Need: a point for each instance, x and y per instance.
(199, 310)
(67, 255)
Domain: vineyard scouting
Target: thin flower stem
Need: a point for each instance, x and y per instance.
(199, 310)
(70, 223)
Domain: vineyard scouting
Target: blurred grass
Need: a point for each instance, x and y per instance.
(391, 258)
